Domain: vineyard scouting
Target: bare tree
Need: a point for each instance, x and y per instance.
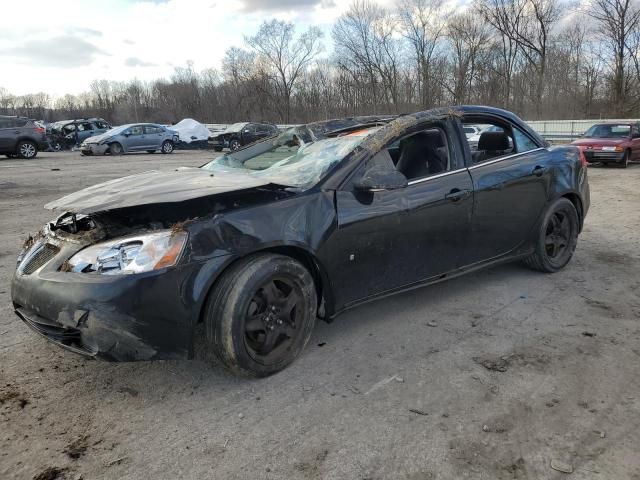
(423, 25)
(286, 55)
(469, 37)
(617, 22)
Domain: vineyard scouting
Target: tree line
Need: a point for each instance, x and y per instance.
(543, 59)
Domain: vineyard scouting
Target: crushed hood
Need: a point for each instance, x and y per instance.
(153, 187)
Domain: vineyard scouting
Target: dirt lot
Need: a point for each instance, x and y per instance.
(490, 376)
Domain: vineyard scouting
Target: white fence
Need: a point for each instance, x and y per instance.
(566, 130)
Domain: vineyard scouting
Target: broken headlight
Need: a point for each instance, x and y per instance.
(138, 254)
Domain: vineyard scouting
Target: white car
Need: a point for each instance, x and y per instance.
(471, 130)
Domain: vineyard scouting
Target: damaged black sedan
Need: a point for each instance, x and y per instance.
(260, 242)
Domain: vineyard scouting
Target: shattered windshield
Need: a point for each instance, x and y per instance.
(288, 160)
(608, 131)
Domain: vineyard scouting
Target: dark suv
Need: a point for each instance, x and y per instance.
(241, 134)
(67, 133)
(21, 137)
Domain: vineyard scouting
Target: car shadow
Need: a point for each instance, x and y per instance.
(402, 311)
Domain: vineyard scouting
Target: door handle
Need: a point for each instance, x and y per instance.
(539, 170)
(456, 195)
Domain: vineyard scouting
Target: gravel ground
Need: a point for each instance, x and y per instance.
(495, 375)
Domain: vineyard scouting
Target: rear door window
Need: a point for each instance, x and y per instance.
(151, 130)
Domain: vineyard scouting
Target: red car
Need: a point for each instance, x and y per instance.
(611, 143)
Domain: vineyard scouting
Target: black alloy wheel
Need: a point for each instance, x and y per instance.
(260, 314)
(557, 237)
(272, 319)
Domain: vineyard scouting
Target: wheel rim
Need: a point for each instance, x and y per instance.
(115, 149)
(168, 147)
(235, 145)
(273, 322)
(557, 236)
(27, 150)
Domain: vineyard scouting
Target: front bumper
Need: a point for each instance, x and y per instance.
(94, 148)
(597, 156)
(114, 317)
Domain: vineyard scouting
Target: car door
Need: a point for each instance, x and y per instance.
(8, 135)
(510, 189)
(154, 137)
(85, 130)
(249, 134)
(392, 239)
(134, 138)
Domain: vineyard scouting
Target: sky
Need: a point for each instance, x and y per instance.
(66, 45)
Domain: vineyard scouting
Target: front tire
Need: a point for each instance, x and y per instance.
(115, 149)
(217, 149)
(167, 146)
(625, 159)
(234, 145)
(557, 238)
(27, 150)
(260, 314)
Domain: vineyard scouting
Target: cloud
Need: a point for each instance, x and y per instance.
(275, 5)
(137, 62)
(63, 51)
(84, 32)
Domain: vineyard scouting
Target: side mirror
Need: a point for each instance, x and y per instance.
(126, 134)
(377, 179)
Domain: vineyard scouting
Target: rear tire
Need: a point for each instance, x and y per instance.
(27, 150)
(115, 149)
(167, 147)
(260, 314)
(557, 238)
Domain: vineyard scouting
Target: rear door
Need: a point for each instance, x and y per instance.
(8, 134)
(154, 137)
(510, 188)
(392, 239)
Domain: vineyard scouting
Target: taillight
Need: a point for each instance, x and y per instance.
(40, 130)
